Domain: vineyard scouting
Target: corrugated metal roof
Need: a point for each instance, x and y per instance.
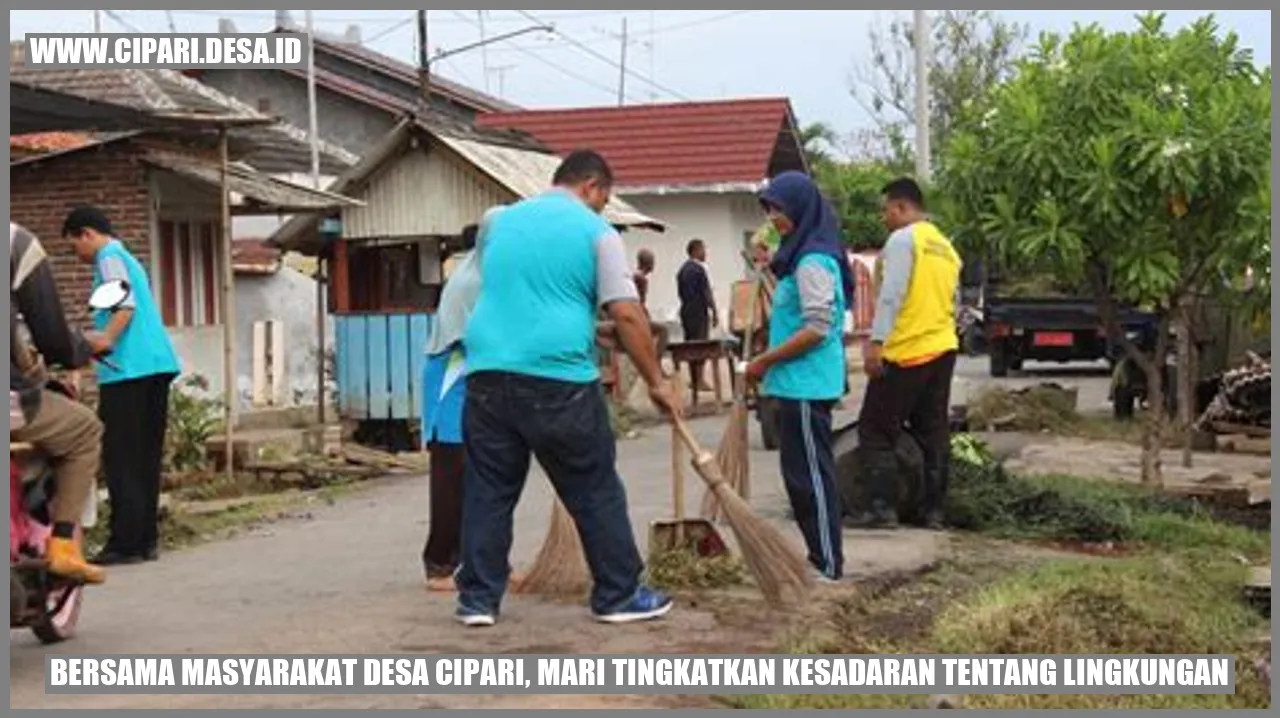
(278, 147)
(521, 171)
(527, 173)
(256, 191)
(39, 109)
(675, 145)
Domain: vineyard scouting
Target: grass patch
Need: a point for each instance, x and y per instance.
(1183, 602)
(987, 499)
(183, 525)
(683, 570)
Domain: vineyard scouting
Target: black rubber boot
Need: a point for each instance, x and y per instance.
(880, 476)
(935, 495)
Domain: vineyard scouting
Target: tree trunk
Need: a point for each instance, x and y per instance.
(1186, 380)
(1153, 429)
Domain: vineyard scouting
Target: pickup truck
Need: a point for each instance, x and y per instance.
(1057, 330)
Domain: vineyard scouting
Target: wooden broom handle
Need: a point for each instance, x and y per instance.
(681, 429)
(677, 475)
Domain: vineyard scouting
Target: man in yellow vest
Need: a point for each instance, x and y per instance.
(910, 359)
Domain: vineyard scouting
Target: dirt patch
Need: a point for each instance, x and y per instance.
(900, 608)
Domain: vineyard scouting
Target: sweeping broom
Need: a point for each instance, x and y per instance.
(733, 454)
(560, 568)
(779, 570)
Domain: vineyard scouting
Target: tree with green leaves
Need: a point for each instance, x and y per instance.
(1136, 164)
(971, 51)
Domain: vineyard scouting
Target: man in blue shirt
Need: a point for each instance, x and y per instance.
(133, 400)
(549, 264)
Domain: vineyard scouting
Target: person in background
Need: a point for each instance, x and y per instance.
(804, 367)
(549, 263)
(698, 312)
(644, 268)
(911, 357)
(133, 400)
(761, 255)
(444, 393)
(66, 431)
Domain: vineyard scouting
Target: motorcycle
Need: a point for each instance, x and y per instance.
(47, 604)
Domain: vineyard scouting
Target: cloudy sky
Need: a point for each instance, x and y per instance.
(808, 56)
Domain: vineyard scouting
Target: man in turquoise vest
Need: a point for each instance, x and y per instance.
(550, 263)
(804, 368)
(133, 400)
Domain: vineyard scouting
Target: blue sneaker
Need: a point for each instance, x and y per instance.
(473, 618)
(645, 605)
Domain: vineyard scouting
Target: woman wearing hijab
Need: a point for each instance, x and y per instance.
(444, 393)
(804, 367)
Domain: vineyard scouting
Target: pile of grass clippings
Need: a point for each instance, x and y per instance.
(684, 570)
(1045, 407)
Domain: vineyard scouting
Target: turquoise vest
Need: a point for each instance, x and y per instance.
(144, 348)
(536, 314)
(820, 373)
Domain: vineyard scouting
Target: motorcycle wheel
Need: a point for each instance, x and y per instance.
(62, 612)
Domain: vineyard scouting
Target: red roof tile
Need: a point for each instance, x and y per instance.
(52, 141)
(693, 143)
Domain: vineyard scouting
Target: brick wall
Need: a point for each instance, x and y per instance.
(112, 178)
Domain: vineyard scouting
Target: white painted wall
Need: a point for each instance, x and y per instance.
(721, 221)
(200, 350)
(287, 296)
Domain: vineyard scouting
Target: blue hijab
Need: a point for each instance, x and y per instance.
(816, 229)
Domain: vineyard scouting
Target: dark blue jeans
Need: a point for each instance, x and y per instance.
(507, 419)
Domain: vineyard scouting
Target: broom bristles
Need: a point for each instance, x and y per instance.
(734, 462)
(780, 571)
(560, 569)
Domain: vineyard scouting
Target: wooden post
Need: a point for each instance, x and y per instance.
(228, 310)
(320, 327)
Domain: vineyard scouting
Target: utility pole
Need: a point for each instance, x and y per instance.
(622, 74)
(312, 131)
(97, 21)
(313, 136)
(424, 59)
(922, 96)
(653, 51)
(484, 50)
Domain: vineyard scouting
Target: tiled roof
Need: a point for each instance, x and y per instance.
(254, 256)
(52, 141)
(682, 144)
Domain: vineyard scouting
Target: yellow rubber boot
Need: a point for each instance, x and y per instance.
(65, 560)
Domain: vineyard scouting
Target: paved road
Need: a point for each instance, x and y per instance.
(346, 579)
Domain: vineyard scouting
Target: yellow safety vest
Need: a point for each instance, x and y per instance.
(926, 324)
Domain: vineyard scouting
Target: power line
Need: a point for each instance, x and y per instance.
(122, 22)
(653, 31)
(256, 14)
(566, 72)
(609, 61)
(383, 33)
(270, 14)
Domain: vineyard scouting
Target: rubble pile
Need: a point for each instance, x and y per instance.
(1243, 397)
